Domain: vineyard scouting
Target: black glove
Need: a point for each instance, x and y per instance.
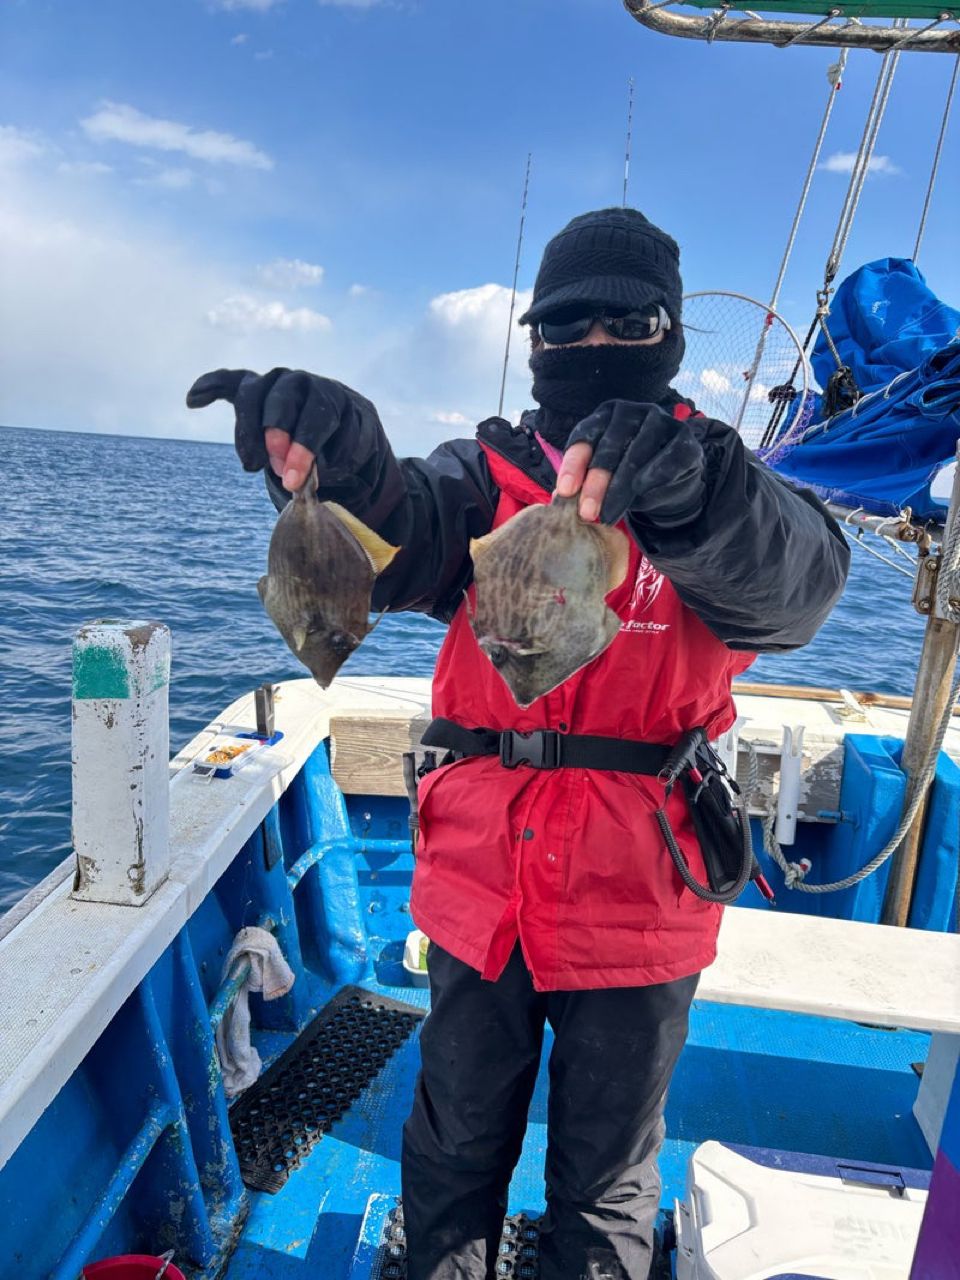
(309, 408)
(657, 463)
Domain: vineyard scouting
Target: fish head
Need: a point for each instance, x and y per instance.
(323, 647)
(529, 673)
(534, 667)
(316, 634)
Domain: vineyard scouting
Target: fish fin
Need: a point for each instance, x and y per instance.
(376, 621)
(616, 550)
(299, 636)
(479, 546)
(378, 552)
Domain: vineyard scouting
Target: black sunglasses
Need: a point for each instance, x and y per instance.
(572, 324)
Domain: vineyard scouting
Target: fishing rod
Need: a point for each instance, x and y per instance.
(513, 294)
(626, 158)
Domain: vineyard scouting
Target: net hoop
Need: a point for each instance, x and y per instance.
(742, 371)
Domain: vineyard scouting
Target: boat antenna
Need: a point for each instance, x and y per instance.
(626, 158)
(513, 295)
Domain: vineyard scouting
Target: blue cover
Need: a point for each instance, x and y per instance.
(884, 321)
(901, 343)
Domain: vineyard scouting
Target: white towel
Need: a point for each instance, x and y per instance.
(269, 974)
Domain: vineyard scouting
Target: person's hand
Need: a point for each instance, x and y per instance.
(637, 458)
(283, 419)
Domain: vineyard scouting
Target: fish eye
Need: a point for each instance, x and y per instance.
(340, 642)
(498, 654)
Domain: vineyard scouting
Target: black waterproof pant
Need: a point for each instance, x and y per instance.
(613, 1054)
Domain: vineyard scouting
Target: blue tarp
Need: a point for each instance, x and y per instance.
(901, 343)
(884, 321)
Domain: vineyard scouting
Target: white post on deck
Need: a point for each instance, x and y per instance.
(121, 753)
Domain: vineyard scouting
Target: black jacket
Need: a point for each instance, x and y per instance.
(762, 565)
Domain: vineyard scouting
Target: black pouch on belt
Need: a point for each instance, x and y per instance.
(718, 824)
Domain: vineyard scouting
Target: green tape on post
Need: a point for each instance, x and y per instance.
(100, 671)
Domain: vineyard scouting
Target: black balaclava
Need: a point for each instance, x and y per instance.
(614, 258)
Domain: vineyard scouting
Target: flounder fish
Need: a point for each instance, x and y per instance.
(321, 568)
(541, 579)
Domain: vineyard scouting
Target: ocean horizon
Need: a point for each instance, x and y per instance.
(95, 525)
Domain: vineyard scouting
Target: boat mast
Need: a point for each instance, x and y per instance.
(935, 688)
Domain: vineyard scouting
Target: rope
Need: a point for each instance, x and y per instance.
(807, 32)
(859, 542)
(794, 873)
(936, 159)
(714, 21)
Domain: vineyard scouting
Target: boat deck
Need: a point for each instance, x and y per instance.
(799, 1043)
(756, 1076)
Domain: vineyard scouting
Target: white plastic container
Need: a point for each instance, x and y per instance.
(766, 1214)
(415, 958)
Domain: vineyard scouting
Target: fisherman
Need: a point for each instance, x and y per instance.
(546, 891)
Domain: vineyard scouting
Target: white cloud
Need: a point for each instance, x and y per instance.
(452, 419)
(168, 179)
(290, 273)
(85, 277)
(119, 308)
(263, 55)
(19, 145)
(453, 356)
(83, 168)
(351, 4)
(715, 381)
(245, 314)
(118, 122)
(843, 162)
(359, 290)
(240, 38)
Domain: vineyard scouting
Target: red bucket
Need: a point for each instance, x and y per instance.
(131, 1266)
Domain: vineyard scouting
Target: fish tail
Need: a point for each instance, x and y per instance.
(309, 487)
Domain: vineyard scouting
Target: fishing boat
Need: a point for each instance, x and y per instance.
(813, 1123)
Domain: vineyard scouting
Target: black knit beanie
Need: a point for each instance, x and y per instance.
(610, 257)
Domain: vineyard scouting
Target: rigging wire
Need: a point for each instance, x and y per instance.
(936, 158)
(858, 541)
(861, 165)
(835, 78)
(513, 293)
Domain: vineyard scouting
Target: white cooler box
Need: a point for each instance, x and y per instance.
(756, 1214)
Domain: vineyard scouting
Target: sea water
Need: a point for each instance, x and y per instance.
(98, 526)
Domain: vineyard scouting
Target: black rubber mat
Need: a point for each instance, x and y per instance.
(518, 1254)
(283, 1116)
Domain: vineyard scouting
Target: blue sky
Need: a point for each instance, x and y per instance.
(335, 184)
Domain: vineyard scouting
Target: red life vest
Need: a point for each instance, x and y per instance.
(571, 860)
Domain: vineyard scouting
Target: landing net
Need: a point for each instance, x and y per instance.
(743, 365)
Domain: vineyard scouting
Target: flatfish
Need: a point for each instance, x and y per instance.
(541, 579)
(321, 568)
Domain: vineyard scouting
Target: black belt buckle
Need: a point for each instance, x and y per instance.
(540, 748)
